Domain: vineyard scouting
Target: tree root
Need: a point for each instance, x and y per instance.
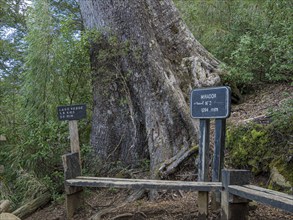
(170, 166)
(124, 215)
(138, 194)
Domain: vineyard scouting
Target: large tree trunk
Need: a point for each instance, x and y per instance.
(141, 96)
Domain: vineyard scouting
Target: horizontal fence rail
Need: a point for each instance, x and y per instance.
(276, 199)
(235, 190)
(143, 183)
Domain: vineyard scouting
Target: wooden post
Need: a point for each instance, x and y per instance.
(72, 169)
(233, 207)
(74, 138)
(72, 162)
(218, 160)
(203, 167)
(204, 141)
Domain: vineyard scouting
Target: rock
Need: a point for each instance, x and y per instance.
(279, 180)
(5, 206)
(8, 216)
(2, 138)
(252, 206)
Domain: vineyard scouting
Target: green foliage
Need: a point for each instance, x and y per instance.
(27, 186)
(247, 146)
(252, 38)
(285, 168)
(259, 147)
(39, 67)
(56, 72)
(283, 118)
(12, 30)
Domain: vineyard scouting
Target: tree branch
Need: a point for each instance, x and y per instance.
(171, 166)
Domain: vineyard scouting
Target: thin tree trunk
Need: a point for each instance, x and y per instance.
(141, 97)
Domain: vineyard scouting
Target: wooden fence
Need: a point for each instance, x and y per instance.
(235, 190)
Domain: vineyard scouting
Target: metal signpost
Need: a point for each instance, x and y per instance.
(72, 113)
(206, 104)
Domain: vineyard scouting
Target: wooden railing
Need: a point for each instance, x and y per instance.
(235, 189)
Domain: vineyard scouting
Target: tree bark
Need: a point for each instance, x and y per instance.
(141, 96)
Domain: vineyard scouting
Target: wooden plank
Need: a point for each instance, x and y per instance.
(218, 159)
(262, 197)
(217, 185)
(72, 203)
(225, 205)
(72, 169)
(203, 205)
(74, 137)
(204, 140)
(141, 183)
(203, 166)
(71, 165)
(231, 210)
(73, 199)
(268, 191)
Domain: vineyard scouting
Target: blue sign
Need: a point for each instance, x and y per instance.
(71, 112)
(213, 102)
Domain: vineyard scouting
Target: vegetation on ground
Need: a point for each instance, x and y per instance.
(260, 146)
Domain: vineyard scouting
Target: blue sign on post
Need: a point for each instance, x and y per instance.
(214, 102)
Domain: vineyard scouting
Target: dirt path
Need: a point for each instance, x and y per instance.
(262, 99)
(171, 206)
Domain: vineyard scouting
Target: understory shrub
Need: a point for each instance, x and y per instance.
(252, 38)
(259, 147)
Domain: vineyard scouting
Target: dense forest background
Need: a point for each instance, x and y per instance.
(44, 62)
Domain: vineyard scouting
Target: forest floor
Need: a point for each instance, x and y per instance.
(177, 204)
